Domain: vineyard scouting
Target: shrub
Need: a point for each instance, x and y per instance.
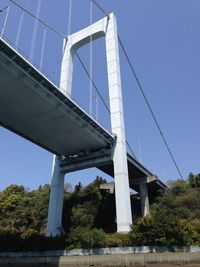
(164, 231)
(83, 237)
(118, 240)
(13, 242)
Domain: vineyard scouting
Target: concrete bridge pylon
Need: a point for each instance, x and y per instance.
(106, 27)
(56, 199)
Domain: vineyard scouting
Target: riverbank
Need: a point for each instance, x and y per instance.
(103, 257)
(136, 260)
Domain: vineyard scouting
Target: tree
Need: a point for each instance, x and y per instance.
(21, 211)
(84, 237)
(194, 180)
(175, 218)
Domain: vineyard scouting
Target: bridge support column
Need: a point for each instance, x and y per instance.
(106, 27)
(122, 194)
(144, 199)
(54, 226)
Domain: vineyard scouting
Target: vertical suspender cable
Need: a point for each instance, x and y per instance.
(144, 96)
(94, 85)
(43, 46)
(91, 65)
(32, 15)
(97, 108)
(5, 21)
(69, 18)
(35, 30)
(19, 28)
(100, 8)
(140, 150)
(69, 23)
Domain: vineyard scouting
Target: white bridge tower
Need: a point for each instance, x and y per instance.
(106, 27)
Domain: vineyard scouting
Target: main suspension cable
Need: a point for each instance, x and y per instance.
(149, 106)
(41, 21)
(98, 92)
(144, 96)
(88, 74)
(131, 150)
(100, 8)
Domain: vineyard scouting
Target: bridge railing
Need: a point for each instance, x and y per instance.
(34, 39)
(37, 42)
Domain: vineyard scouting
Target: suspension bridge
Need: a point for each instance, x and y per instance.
(36, 108)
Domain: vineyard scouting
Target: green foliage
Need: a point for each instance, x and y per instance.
(119, 240)
(89, 207)
(175, 218)
(23, 216)
(165, 231)
(180, 201)
(29, 233)
(21, 210)
(83, 215)
(194, 180)
(89, 218)
(84, 237)
(14, 242)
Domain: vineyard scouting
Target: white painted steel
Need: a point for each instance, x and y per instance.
(122, 195)
(106, 27)
(32, 107)
(71, 44)
(54, 226)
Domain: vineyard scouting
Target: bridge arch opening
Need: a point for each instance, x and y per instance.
(92, 95)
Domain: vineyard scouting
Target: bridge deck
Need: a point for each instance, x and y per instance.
(137, 171)
(34, 108)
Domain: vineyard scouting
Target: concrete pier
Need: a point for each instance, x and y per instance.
(54, 226)
(144, 199)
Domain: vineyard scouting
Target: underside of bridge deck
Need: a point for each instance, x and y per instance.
(34, 108)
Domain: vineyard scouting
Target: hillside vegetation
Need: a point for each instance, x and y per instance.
(89, 218)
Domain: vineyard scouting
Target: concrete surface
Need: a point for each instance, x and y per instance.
(150, 259)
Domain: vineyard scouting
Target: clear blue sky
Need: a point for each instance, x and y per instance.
(162, 38)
